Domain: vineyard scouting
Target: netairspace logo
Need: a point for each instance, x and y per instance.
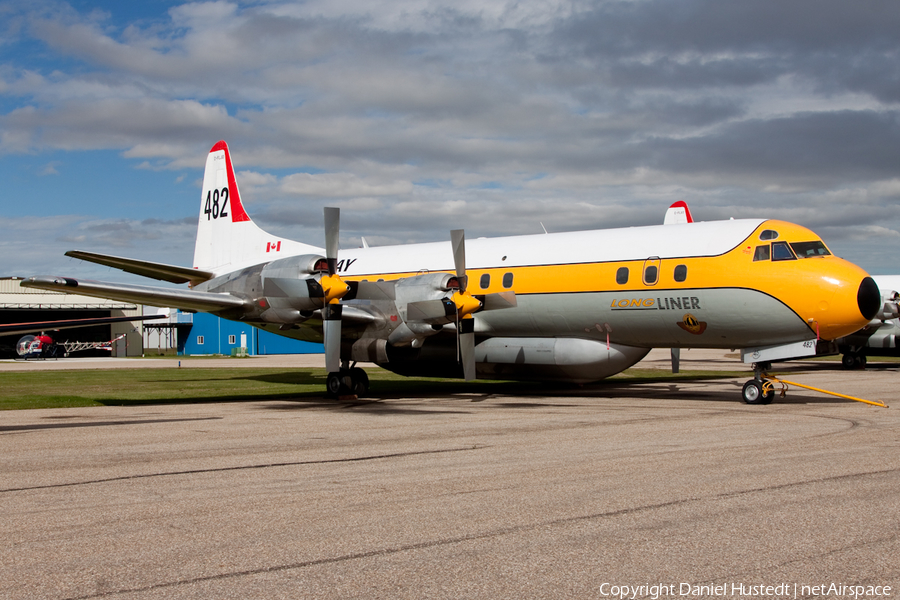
(654, 591)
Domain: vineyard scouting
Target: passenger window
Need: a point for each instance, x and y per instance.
(622, 275)
(768, 234)
(781, 251)
(507, 280)
(651, 274)
(680, 273)
(762, 253)
(485, 281)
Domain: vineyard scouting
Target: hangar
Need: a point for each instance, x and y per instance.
(194, 334)
(23, 305)
(208, 334)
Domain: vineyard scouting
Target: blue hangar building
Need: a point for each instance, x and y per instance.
(202, 333)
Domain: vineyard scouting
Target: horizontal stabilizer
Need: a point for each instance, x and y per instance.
(145, 268)
(23, 328)
(139, 294)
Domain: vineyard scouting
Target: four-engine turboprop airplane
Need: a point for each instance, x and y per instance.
(575, 307)
(880, 336)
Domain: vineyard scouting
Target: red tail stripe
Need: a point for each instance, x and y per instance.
(687, 211)
(237, 207)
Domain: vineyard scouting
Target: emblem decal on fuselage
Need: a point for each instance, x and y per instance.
(690, 324)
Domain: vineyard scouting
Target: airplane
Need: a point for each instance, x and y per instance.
(571, 307)
(879, 336)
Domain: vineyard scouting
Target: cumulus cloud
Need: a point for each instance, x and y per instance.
(423, 115)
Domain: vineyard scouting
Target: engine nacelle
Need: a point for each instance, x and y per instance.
(890, 308)
(429, 286)
(427, 289)
(289, 286)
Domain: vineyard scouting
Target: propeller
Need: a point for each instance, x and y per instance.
(466, 304)
(334, 289)
(460, 306)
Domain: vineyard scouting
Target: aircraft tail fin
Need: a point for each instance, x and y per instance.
(227, 238)
(678, 213)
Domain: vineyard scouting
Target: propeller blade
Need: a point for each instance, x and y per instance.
(431, 311)
(332, 312)
(676, 359)
(458, 241)
(331, 328)
(466, 340)
(332, 236)
(499, 300)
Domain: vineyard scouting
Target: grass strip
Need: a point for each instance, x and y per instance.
(123, 387)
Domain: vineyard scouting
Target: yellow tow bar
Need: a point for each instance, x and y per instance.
(784, 382)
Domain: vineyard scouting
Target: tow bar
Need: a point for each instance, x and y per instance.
(768, 379)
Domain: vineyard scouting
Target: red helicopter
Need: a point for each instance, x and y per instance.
(42, 346)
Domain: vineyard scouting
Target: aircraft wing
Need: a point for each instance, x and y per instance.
(139, 294)
(22, 328)
(145, 268)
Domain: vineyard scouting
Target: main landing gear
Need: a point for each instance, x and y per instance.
(758, 390)
(349, 381)
(854, 360)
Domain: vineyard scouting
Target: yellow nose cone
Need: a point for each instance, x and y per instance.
(838, 299)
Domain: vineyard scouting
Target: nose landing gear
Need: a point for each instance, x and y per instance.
(759, 390)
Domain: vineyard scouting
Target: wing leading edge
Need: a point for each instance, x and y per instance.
(140, 294)
(22, 328)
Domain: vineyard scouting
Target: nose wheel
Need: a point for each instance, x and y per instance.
(758, 390)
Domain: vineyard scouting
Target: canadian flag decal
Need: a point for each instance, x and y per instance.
(276, 246)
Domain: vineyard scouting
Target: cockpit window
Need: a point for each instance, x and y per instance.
(810, 249)
(781, 251)
(768, 234)
(762, 253)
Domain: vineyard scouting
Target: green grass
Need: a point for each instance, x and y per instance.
(116, 387)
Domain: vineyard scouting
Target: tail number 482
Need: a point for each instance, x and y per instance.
(216, 204)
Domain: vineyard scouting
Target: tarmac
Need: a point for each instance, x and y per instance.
(672, 489)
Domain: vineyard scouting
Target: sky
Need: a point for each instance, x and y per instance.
(416, 117)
